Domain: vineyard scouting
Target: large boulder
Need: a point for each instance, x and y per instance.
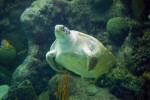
(21, 91)
(123, 84)
(79, 89)
(33, 69)
(102, 5)
(37, 20)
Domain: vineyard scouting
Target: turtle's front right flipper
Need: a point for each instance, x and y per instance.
(50, 56)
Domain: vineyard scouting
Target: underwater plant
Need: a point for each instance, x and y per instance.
(63, 92)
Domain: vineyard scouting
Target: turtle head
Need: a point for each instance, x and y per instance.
(61, 32)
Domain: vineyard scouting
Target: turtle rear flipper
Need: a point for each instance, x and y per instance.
(91, 59)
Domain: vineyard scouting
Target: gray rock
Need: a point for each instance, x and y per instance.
(123, 84)
(21, 91)
(37, 20)
(33, 69)
(81, 89)
(44, 96)
(102, 5)
(2, 77)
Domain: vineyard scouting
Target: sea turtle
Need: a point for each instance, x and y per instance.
(79, 53)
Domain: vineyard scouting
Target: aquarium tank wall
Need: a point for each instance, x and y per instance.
(74, 50)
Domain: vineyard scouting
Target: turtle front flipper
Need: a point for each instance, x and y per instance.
(50, 59)
(91, 59)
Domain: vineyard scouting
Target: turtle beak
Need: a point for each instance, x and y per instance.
(59, 27)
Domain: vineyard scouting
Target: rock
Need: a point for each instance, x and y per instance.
(4, 23)
(124, 53)
(80, 89)
(123, 84)
(41, 17)
(117, 29)
(2, 78)
(7, 55)
(138, 7)
(2, 3)
(5, 75)
(34, 68)
(19, 41)
(38, 19)
(21, 91)
(3, 90)
(141, 54)
(101, 5)
(44, 96)
(31, 70)
(146, 75)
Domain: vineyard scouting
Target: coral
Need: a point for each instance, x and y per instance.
(138, 7)
(80, 89)
(18, 40)
(117, 29)
(5, 74)
(141, 54)
(21, 91)
(123, 84)
(127, 5)
(3, 90)
(2, 2)
(146, 75)
(2, 78)
(7, 55)
(44, 96)
(32, 69)
(61, 4)
(101, 5)
(42, 13)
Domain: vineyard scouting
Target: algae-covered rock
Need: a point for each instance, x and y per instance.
(138, 7)
(2, 78)
(39, 18)
(5, 74)
(141, 54)
(7, 54)
(44, 96)
(123, 84)
(2, 2)
(34, 70)
(3, 90)
(117, 29)
(101, 5)
(18, 41)
(21, 91)
(79, 89)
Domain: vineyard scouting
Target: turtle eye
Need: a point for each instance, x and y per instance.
(66, 30)
(62, 28)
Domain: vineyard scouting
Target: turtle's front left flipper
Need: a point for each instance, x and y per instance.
(50, 59)
(91, 58)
